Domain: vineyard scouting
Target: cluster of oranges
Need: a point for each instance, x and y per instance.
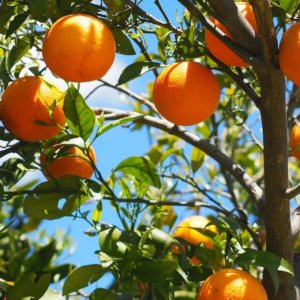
(77, 48)
(225, 284)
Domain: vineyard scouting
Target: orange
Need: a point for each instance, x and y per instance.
(289, 58)
(218, 48)
(79, 48)
(186, 93)
(72, 162)
(231, 284)
(32, 109)
(295, 141)
(185, 230)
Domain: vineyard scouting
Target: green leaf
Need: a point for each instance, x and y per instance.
(17, 52)
(142, 169)
(123, 43)
(82, 277)
(80, 117)
(137, 69)
(44, 202)
(37, 9)
(102, 294)
(30, 285)
(96, 216)
(16, 23)
(197, 159)
(289, 5)
(116, 123)
(155, 271)
(265, 259)
(114, 6)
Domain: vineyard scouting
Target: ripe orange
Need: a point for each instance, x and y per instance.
(185, 230)
(31, 109)
(186, 93)
(295, 141)
(232, 284)
(218, 48)
(72, 162)
(79, 48)
(289, 58)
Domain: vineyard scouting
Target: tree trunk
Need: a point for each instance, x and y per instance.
(277, 207)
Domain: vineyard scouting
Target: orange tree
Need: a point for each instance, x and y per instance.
(234, 165)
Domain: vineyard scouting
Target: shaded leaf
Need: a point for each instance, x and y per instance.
(82, 277)
(123, 43)
(137, 69)
(102, 294)
(44, 202)
(30, 285)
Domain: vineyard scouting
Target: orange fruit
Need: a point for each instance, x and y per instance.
(79, 48)
(295, 141)
(231, 284)
(218, 48)
(186, 93)
(32, 109)
(289, 58)
(185, 230)
(72, 162)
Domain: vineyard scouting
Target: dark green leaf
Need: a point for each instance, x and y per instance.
(155, 271)
(136, 69)
(82, 277)
(16, 23)
(123, 43)
(102, 294)
(114, 6)
(17, 52)
(142, 169)
(80, 117)
(38, 10)
(30, 285)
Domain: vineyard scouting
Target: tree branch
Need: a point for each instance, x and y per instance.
(292, 192)
(237, 26)
(227, 163)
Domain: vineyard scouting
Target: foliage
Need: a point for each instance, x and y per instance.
(189, 170)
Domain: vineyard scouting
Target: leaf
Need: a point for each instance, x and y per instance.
(16, 23)
(37, 9)
(289, 5)
(96, 216)
(102, 294)
(197, 159)
(16, 53)
(82, 277)
(114, 6)
(137, 69)
(116, 123)
(155, 271)
(123, 43)
(44, 202)
(80, 117)
(142, 169)
(30, 285)
(265, 259)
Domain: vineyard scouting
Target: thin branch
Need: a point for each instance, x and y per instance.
(131, 94)
(292, 192)
(227, 163)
